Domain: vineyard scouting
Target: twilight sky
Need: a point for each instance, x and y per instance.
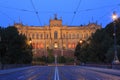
(72, 12)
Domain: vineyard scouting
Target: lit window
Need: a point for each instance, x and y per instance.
(41, 45)
(69, 45)
(33, 45)
(55, 45)
(73, 45)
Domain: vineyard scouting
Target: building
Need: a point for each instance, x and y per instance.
(61, 38)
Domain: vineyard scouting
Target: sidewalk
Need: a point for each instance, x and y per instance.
(15, 69)
(103, 70)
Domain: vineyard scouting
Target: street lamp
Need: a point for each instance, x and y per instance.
(80, 41)
(30, 41)
(79, 44)
(116, 60)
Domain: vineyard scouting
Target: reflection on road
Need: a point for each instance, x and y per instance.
(57, 73)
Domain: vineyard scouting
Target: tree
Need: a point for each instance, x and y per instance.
(77, 50)
(110, 54)
(95, 50)
(100, 43)
(110, 30)
(17, 49)
(50, 57)
(61, 59)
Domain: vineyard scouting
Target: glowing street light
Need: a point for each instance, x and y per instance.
(114, 16)
(81, 41)
(30, 41)
(116, 60)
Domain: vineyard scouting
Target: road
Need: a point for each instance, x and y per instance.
(58, 73)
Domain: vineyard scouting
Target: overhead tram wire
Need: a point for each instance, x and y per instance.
(7, 16)
(36, 12)
(6, 7)
(67, 12)
(100, 18)
(75, 11)
(102, 7)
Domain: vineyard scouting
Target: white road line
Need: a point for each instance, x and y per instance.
(56, 75)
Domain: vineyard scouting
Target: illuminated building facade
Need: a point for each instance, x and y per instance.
(60, 38)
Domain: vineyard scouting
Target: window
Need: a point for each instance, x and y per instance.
(46, 36)
(73, 45)
(63, 36)
(55, 35)
(37, 36)
(86, 35)
(69, 45)
(69, 36)
(77, 36)
(73, 36)
(80, 36)
(41, 36)
(33, 36)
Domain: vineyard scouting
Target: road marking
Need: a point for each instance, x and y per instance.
(56, 75)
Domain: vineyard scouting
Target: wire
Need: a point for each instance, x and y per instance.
(67, 12)
(7, 16)
(105, 14)
(99, 8)
(76, 11)
(16, 9)
(36, 12)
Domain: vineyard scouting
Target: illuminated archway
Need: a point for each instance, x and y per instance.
(55, 45)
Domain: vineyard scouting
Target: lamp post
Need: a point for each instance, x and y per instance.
(30, 41)
(78, 49)
(116, 60)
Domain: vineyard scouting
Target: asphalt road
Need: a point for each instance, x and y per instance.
(57, 73)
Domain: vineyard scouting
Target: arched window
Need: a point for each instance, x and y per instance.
(69, 45)
(55, 35)
(73, 45)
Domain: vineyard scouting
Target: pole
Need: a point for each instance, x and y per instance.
(116, 60)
